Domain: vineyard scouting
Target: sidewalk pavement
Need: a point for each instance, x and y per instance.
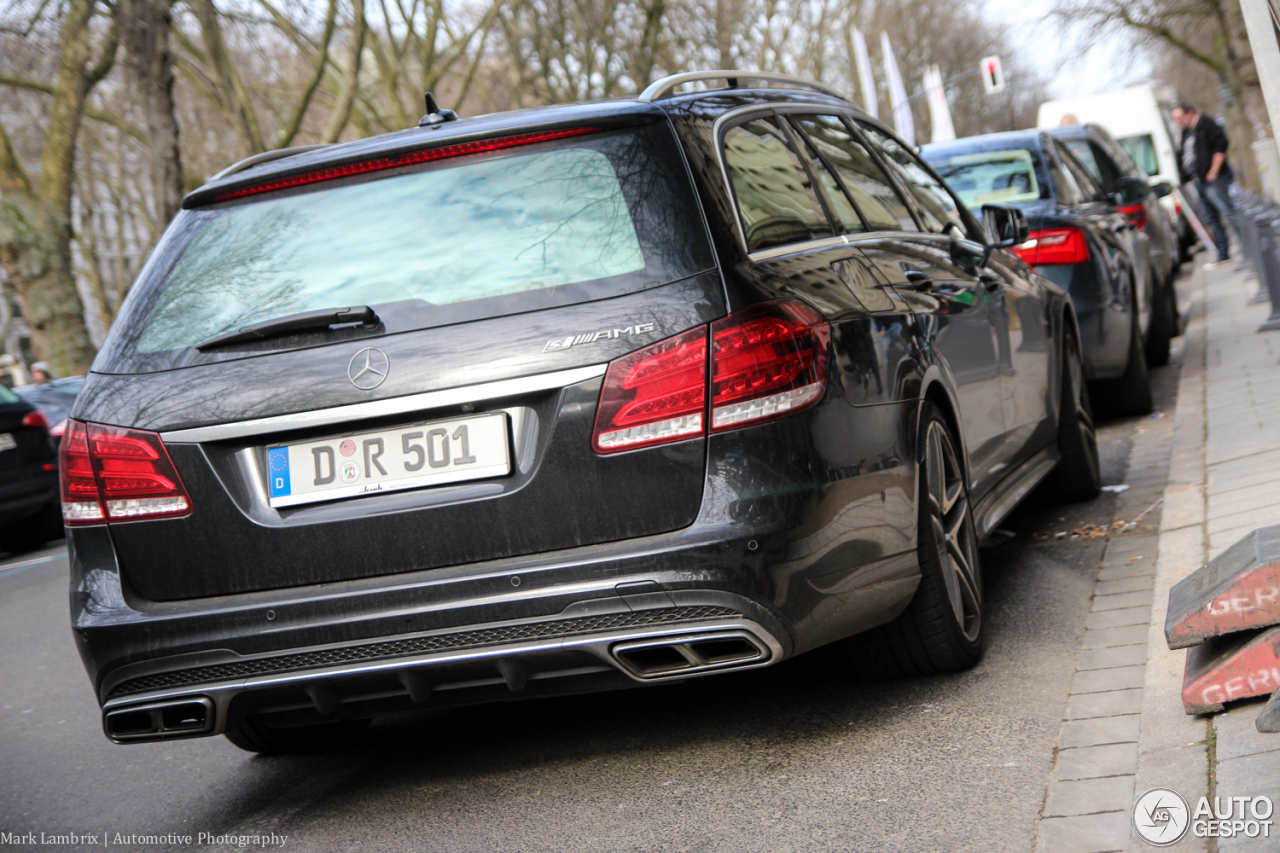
(1212, 473)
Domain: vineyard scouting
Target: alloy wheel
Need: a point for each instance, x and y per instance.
(953, 531)
(1083, 410)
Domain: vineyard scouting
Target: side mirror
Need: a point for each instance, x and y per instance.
(1130, 191)
(1162, 189)
(1006, 225)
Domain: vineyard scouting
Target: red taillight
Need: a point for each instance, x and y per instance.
(766, 362)
(654, 395)
(410, 158)
(1136, 214)
(35, 419)
(1054, 246)
(115, 474)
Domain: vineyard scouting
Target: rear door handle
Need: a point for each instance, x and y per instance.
(918, 280)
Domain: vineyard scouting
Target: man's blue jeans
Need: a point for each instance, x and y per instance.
(1218, 208)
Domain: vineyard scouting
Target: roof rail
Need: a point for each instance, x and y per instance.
(265, 157)
(662, 88)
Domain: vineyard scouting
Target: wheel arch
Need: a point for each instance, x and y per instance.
(935, 391)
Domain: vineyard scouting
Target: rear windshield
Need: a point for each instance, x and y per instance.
(1142, 151)
(989, 177)
(483, 236)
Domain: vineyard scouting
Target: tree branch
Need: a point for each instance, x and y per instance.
(92, 112)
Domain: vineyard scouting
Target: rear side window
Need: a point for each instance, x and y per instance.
(841, 208)
(1064, 184)
(1142, 151)
(869, 186)
(1089, 188)
(936, 204)
(461, 239)
(1085, 155)
(7, 396)
(776, 200)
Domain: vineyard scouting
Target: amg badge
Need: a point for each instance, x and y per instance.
(592, 337)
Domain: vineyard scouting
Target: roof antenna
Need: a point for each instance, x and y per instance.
(435, 115)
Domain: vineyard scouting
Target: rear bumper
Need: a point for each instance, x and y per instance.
(788, 553)
(584, 652)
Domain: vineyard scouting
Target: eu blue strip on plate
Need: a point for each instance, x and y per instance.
(278, 471)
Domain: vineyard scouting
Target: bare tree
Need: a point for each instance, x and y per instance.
(1208, 32)
(35, 211)
(145, 27)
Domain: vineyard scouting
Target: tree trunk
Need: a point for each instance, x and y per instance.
(145, 26)
(35, 216)
(35, 250)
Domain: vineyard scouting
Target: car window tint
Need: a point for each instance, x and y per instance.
(1005, 176)
(1107, 166)
(837, 201)
(1084, 154)
(1142, 149)
(775, 196)
(1064, 185)
(519, 229)
(935, 203)
(872, 190)
(1089, 189)
(1124, 164)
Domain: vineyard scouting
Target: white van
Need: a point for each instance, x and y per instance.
(1134, 118)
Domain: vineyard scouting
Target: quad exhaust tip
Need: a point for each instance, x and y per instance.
(677, 657)
(159, 720)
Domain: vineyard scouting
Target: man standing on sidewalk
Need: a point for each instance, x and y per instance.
(1204, 160)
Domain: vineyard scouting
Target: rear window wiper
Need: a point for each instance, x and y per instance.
(301, 322)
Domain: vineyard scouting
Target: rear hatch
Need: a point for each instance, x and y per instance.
(456, 426)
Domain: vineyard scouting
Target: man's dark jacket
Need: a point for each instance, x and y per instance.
(1210, 140)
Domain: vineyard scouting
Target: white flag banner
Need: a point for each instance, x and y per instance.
(863, 61)
(939, 112)
(902, 120)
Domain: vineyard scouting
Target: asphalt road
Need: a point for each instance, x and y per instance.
(796, 757)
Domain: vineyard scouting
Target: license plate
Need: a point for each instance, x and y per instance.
(389, 460)
(7, 441)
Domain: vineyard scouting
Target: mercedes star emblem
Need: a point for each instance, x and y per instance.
(368, 368)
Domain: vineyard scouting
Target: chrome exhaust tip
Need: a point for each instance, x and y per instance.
(690, 654)
(187, 717)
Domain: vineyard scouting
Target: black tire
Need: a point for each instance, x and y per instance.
(941, 629)
(253, 735)
(1079, 474)
(1164, 322)
(1131, 393)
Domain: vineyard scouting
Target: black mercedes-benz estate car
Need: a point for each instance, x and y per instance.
(552, 401)
(1081, 241)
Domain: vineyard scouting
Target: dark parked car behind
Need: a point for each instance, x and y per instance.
(568, 399)
(1107, 162)
(53, 399)
(29, 511)
(1079, 240)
